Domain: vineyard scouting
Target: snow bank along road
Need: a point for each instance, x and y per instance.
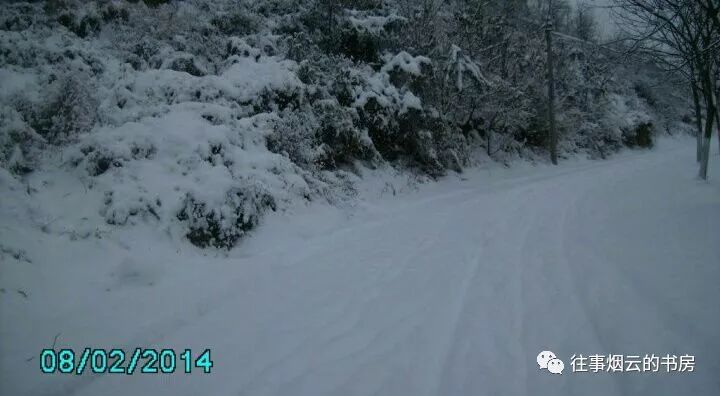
(452, 290)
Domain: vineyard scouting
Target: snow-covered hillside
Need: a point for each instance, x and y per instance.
(450, 290)
(201, 117)
(345, 197)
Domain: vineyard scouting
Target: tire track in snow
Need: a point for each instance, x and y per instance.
(351, 305)
(355, 305)
(491, 302)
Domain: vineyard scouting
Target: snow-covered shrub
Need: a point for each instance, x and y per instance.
(222, 226)
(362, 5)
(324, 136)
(295, 136)
(209, 177)
(644, 92)
(629, 117)
(433, 144)
(187, 64)
(19, 143)
(278, 8)
(271, 100)
(52, 7)
(360, 35)
(69, 111)
(669, 103)
(197, 117)
(236, 24)
(640, 136)
(150, 3)
(153, 3)
(99, 159)
(412, 137)
(89, 24)
(81, 19)
(405, 70)
(302, 48)
(17, 18)
(398, 124)
(342, 142)
(240, 47)
(113, 13)
(358, 46)
(596, 140)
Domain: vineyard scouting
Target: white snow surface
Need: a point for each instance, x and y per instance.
(371, 23)
(405, 62)
(452, 289)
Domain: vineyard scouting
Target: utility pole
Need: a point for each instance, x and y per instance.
(552, 138)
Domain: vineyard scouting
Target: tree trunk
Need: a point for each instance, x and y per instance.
(330, 16)
(711, 110)
(504, 54)
(705, 158)
(489, 141)
(717, 118)
(698, 121)
(552, 142)
(705, 155)
(717, 126)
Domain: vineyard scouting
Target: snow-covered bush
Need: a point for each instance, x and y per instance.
(236, 24)
(630, 120)
(198, 117)
(151, 3)
(400, 125)
(360, 31)
(19, 143)
(342, 141)
(222, 226)
(295, 136)
(69, 110)
(215, 180)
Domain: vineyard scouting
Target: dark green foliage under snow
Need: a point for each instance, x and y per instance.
(280, 99)
(223, 228)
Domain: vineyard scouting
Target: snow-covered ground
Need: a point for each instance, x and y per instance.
(449, 290)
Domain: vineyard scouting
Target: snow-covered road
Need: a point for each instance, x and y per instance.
(452, 290)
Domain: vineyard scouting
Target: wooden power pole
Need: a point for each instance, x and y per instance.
(552, 136)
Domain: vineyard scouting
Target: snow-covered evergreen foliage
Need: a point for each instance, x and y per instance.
(200, 116)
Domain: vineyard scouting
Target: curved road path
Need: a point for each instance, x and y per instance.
(455, 290)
